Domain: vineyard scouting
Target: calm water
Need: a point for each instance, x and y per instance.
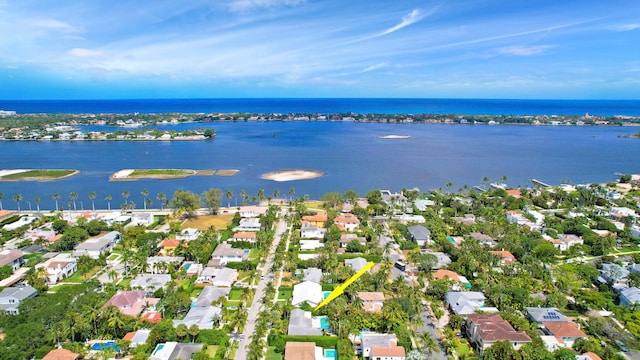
(350, 154)
(328, 106)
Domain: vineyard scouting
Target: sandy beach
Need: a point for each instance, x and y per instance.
(394, 137)
(290, 175)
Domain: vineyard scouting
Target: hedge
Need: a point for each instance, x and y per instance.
(243, 265)
(322, 341)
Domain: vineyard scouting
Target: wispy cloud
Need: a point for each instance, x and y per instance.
(248, 5)
(524, 50)
(54, 24)
(375, 67)
(80, 52)
(627, 27)
(414, 16)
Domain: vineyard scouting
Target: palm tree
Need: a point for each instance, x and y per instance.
(148, 203)
(161, 197)
(37, 201)
(292, 191)
(108, 198)
(145, 194)
(245, 197)
(181, 331)
(56, 197)
(229, 195)
(1, 195)
(261, 194)
(125, 195)
(193, 330)
(17, 198)
(73, 196)
(276, 193)
(92, 197)
(427, 343)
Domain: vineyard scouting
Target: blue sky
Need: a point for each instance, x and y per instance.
(320, 48)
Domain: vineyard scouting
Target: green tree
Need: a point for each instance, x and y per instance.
(74, 196)
(212, 198)
(428, 344)
(185, 202)
(17, 198)
(331, 198)
(193, 330)
(181, 331)
(55, 198)
(229, 195)
(109, 198)
(501, 350)
(374, 197)
(354, 246)
(161, 198)
(125, 196)
(92, 197)
(145, 195)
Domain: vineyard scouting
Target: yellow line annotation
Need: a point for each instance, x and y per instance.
(340, 289)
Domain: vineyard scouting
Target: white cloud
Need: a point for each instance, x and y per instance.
(54, 24)
(628, 27)
(248, 5)
(413, 17)
(375, 67)
(80, 52)
(524, 50)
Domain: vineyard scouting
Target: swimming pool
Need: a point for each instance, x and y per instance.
(325, 294)
(104, 346)
(324, 323)
(331, 354)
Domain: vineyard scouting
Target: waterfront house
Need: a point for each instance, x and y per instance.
(150, 282)
(12, 258)
(96, 246)
(58, 268)
(485, 330)
(174, 351)
(307, 291)
(142, 219)
(11, 297)
(131, 303)
(61, 354)
(226, 254)
(301, 323)
(371, 301)
(253, 211)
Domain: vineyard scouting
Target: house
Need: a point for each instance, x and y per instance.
(161, 264)
(538, 217)
(11, 297)
(12, 258)
(301, 323)
(317, 220)
(442, 274)
(346, 222)
(635, 231)
(356, 264)
(391, 353)
(483, 239)
(621, 213)
(312, 274)
(519, 219)
(136, 338)
(420, 234)
(570, 240)
(301, 351)
(485, 330)
(224, 277)
(588, 356)
(615, 275)
(253, 211)
(61, 354)
(542, 315)
(153, 317)
(96, 246)
(142, 219)
(130, 302)
(307, 291)
(372, 343)
(310, 231)
(58, 268)
(371, 301)
(630, 297)
(248, 236)
(443, 258)
(566, 332)
(202, 313)
(150, 282)
(169, 247)
(467, 219)
(174, 351)
(248, 224)
(393, 198)
(306, 245)
(423, 204)
(40, 234)
(188, 234)
(506, 256)
(465, 302)
(226, 254)
(345, 239)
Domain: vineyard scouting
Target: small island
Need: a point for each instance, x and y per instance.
(39, 175)
(291, 175)
(394, 137)
(160, 174)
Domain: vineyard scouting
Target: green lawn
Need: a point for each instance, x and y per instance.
(76, 277)
(272, 355)
(463, 348)
(211, 350)
(285, 293)
(235, 293)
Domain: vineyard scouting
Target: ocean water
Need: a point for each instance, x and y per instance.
(350, 154)
(327, 106)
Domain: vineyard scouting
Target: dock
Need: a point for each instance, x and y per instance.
(540, 183)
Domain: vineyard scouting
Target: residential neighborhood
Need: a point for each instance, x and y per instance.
(528, 273)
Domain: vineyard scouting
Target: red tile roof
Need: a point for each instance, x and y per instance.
(61, 354)
(395, 351)
(564, 329)
(244, 235)
(495, 328)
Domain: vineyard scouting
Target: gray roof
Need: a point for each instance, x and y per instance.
(465, 302)
(17, 293)
(377, 340)
(312, 274)
(300, 323)
(141, 336)
(224, 250)
(97, 243)
(200, 315)
(356, 264)
(632, 295)
(151, 281)
(209, 294)
(174, 351)
(540, 315)
(419, 232)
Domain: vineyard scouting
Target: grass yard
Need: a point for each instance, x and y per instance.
(76, 277)
(204, 222)
(463, 349)
(272, 355)
(285, 293)
(211, 350)
(235, 294)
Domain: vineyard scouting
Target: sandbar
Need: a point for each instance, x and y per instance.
(290, 175)
(394, 137)
(160, 174)
(39, 175)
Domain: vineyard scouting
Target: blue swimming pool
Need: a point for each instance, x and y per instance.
(330, 353)
(187, 266)
(324, 323)
(104, 346)
(325, 294)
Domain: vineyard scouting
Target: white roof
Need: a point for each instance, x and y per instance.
(308, 291)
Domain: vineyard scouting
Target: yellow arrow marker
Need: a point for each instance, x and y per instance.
(340, 289)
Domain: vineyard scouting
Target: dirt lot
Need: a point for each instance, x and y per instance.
(204, 222)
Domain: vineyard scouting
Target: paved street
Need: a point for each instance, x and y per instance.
(250, 326)
(430, 326)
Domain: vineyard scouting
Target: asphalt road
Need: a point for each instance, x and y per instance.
(250, 326)
(430, 326)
